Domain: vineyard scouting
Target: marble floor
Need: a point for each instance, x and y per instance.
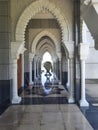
(40, 110)
(44, 117)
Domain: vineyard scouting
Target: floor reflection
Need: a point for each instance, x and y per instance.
(45, 91)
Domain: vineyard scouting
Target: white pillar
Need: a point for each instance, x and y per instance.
(37, 68)
(57, 68)
(15, 98)
(83, 101)
(83, 52)
(34, 69)
(60, 71)
(68, 80)
(22, 70)
(30, 71)
(71, 87)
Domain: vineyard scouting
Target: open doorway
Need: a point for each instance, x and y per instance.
(46, 68)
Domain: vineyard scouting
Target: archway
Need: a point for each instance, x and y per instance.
(30, 12)
(46, 60)
(33, 9)
(40, 35)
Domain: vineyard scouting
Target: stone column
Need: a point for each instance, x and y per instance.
(60, 71)
(17, 48)
(83, 52)
(37, 67)
(59, 64)
(34, 68)
(30, 68)
(15, 98)
(71, 88)
(22, 70)
(68, 80)
(30, 71)
(56, 68)
(70, 48)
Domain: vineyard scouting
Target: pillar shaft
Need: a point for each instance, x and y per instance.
(34, 69)
(83, 52)
(22, 70)
(71, 89)
(83, 80)
(68, 79)
(83, 101)
(60, 72)
(15, 98)
(30, 71)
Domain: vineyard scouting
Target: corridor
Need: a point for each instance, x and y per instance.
(44, 111)
(44, 117)
(48, 65)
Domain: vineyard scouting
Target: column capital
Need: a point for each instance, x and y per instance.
(83, 50)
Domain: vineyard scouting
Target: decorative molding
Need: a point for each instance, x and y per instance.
(40, 35)
(35, 8)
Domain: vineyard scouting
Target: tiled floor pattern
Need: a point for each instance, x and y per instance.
(44, 117)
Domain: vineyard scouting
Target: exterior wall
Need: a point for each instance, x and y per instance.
(17, 7)
(92, 64)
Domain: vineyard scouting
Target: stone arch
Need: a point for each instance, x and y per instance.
(44, 49)
(40, 35)
(44, 42)
(35, 8)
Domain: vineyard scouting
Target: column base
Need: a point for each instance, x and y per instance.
(71, 100)
(16, 100)
(83, 103)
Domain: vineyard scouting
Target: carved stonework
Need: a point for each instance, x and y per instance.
(35, 8)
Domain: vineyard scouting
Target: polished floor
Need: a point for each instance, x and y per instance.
(44, 117)
(40, 114)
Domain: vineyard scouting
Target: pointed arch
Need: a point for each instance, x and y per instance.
(40, 35)
(35, 8)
